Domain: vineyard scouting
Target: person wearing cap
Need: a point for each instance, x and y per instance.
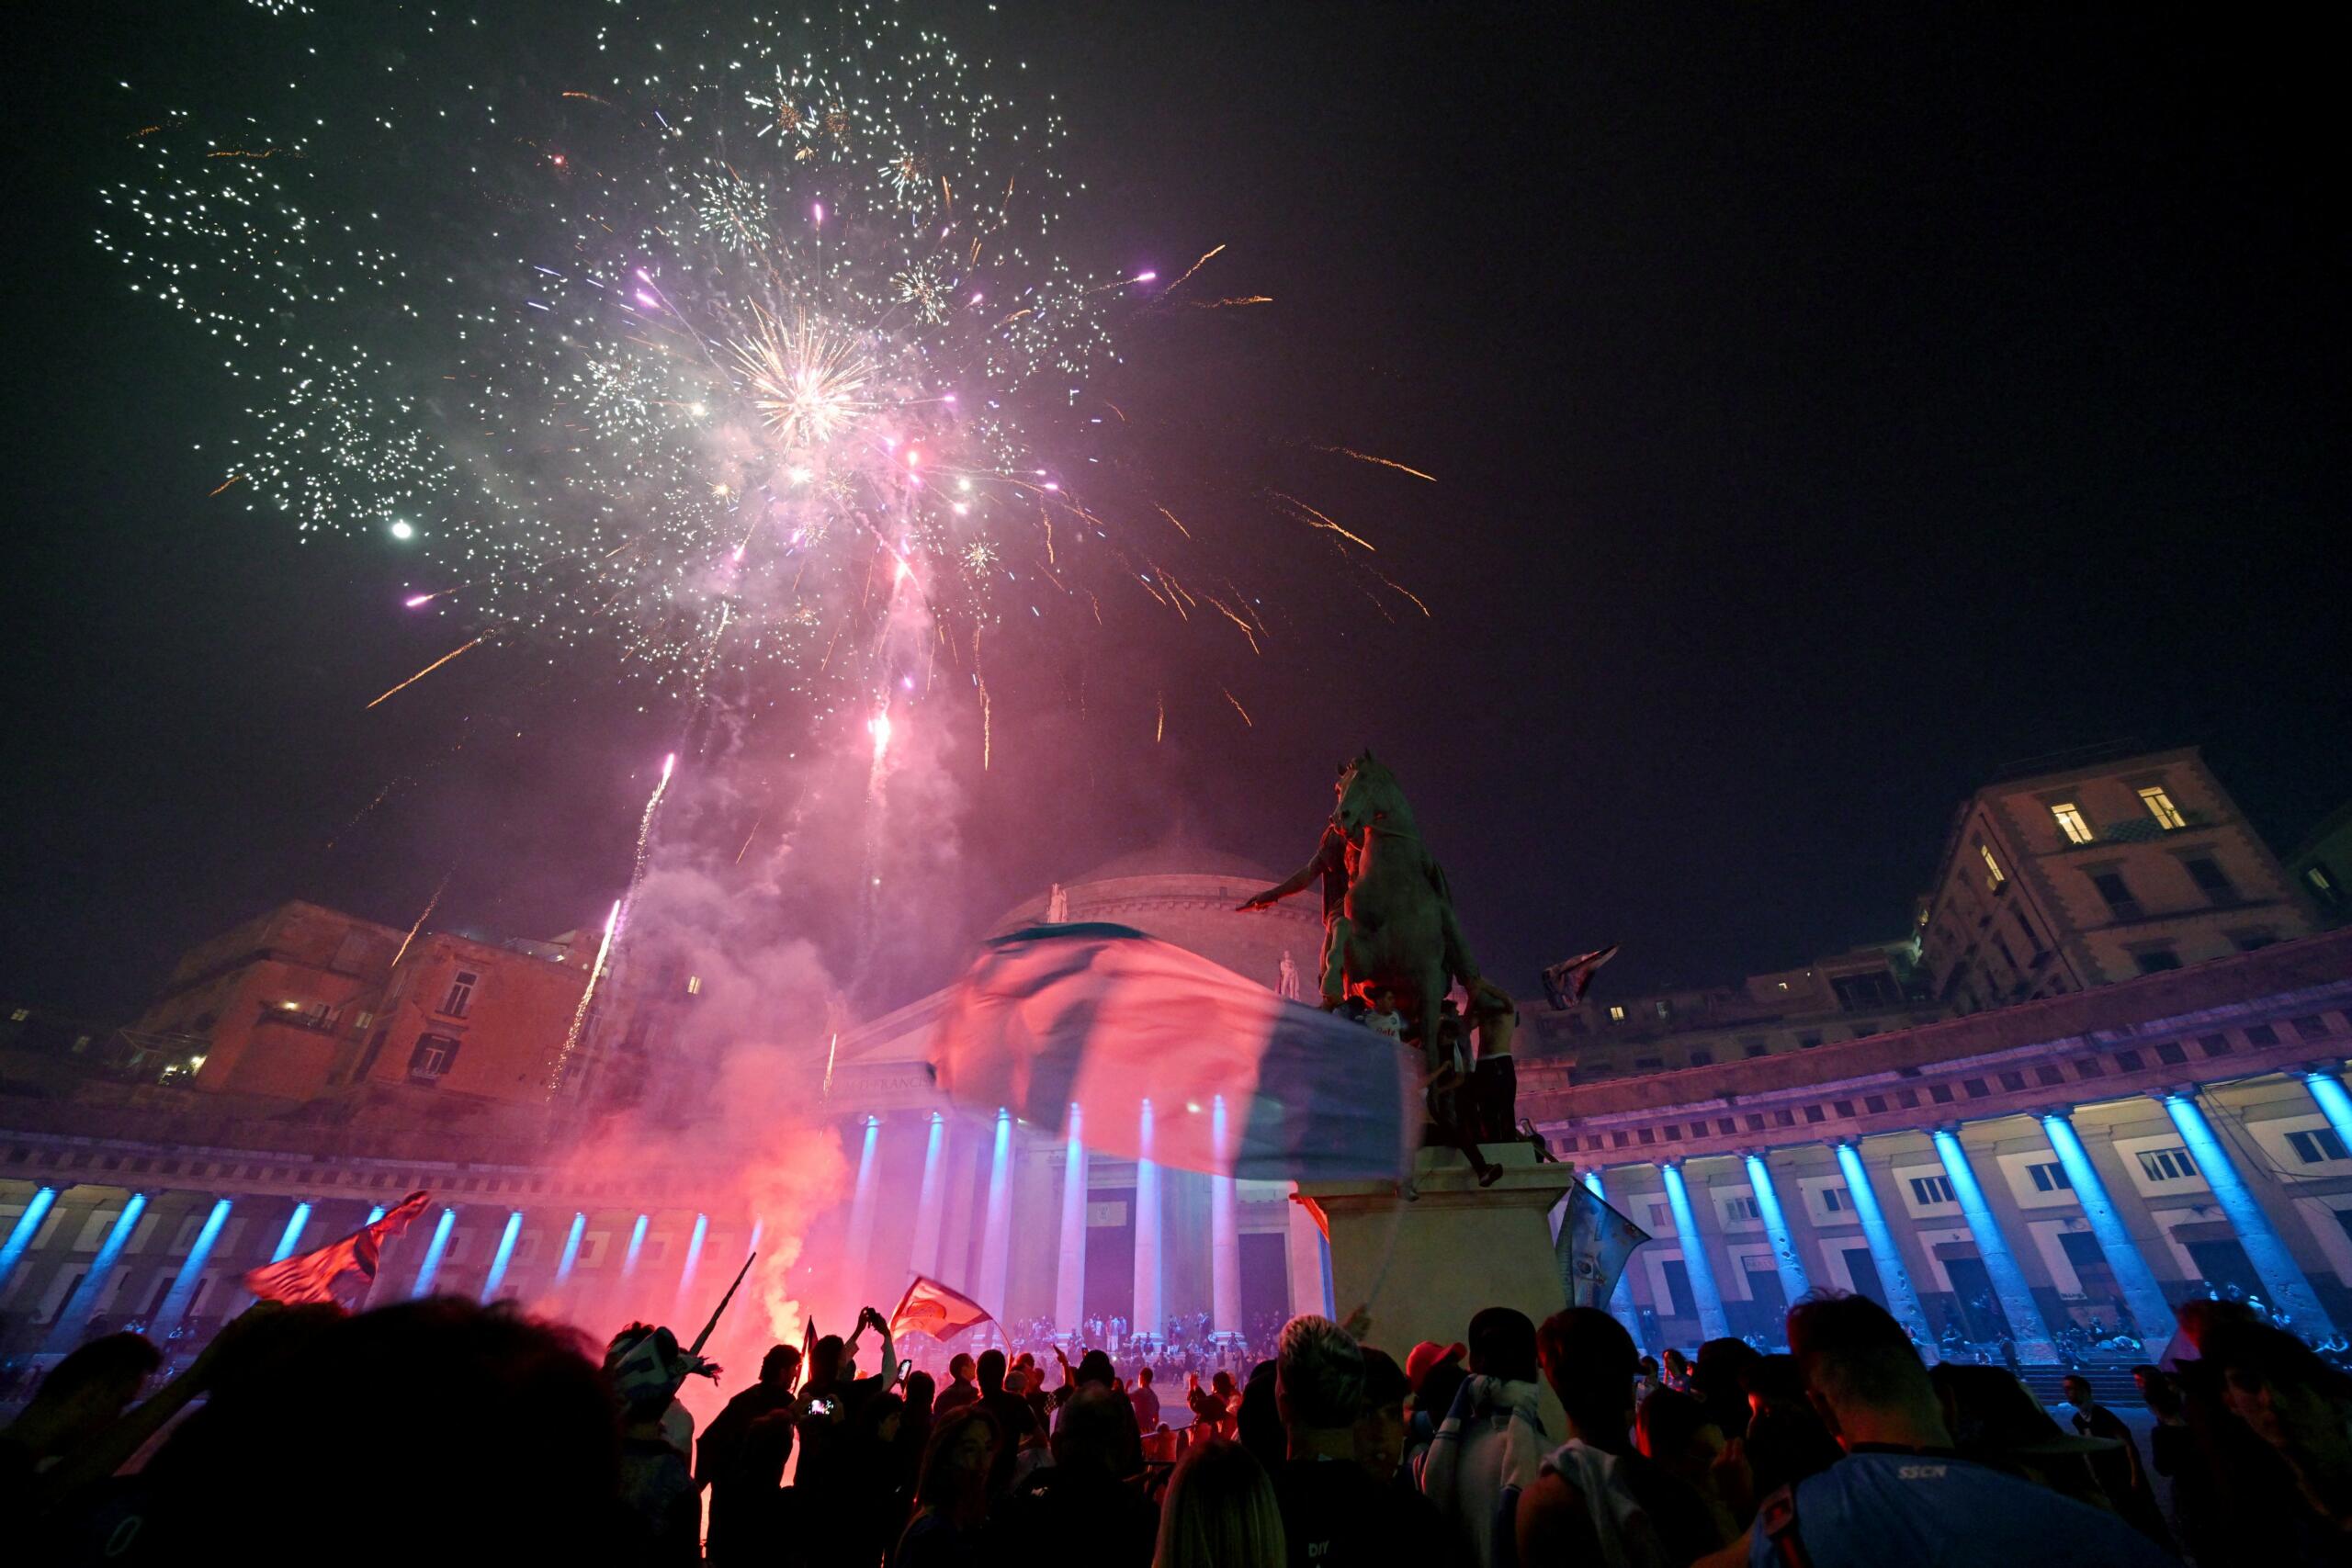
(1902, 1492)
(1434, 1372)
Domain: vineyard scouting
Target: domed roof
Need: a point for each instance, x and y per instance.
(1174, 860)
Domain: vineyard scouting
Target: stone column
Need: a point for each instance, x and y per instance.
(1069, 1279)
(1785, 1260)
(505, 1253)
(997, 1230)
(1621, 1297)
(75, 1313)
(2142, 1296)
(1144, 1318)
(1310, 1258)
(860, 1250)
(1713, 1323)
(1901, 1299)
(427, 1270)
(176, 1300)
(2327, 1089)
(924, 1257)
(2265, 1249)
(1225, 1234)
(2033, 1335)
(21, 1233)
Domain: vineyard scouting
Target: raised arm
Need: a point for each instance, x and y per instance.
(889, 1352)
(1298, 881)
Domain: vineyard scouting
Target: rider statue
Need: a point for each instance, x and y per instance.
(1389, 925)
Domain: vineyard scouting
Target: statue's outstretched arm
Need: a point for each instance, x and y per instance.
(1297, 882)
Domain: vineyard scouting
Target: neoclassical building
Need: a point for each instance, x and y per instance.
(2101, 1072)
(307, 1070)
(2080, 1161)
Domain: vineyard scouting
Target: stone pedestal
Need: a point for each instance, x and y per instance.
(1422, 1269)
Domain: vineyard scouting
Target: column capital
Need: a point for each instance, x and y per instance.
(2057, 1113)
(2326, 1067)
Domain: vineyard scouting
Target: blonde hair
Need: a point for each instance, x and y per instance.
(1219, 1512)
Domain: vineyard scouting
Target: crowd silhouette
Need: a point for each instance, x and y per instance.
(444, 1431)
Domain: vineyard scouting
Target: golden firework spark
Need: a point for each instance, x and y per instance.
(429, 669)
(806, 382)
(1384, 462)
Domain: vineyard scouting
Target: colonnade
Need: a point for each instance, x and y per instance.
(2142, 1298)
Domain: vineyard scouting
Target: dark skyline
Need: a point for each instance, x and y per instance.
(1826, 412)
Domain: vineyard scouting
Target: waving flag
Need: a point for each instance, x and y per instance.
(1594, 1242)
(936, 1310)
(1566, 983)
(340, 1269)
(1173, 1059)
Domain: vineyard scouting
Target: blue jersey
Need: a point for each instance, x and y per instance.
(1935, 1511)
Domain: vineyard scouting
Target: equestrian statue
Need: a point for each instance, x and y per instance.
(1389, 925)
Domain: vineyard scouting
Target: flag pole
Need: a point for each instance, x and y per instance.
(700, 1339)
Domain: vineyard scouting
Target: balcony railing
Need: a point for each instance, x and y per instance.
(2147, 830)
(309, 1022)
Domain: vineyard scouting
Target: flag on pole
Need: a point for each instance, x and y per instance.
(1594, 1242)
(340, 1269)
(1566, 983)
(1108, 1018)
(937, 1311)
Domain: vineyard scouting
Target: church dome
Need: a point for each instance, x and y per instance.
(1186, 896)
(1174, 860)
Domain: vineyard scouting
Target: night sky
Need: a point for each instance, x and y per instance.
(1827, 411)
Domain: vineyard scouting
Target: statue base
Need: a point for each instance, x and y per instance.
(1422, 1269)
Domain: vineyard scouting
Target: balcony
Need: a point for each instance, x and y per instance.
(2146, 829)
(309, 1022)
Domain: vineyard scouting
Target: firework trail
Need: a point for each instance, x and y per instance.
(645, 824)
(429, 669)
(580, 1014)
(430, 904)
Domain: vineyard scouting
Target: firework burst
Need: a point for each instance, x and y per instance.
(693, 353)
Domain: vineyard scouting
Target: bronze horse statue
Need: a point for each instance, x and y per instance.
(1387, 913)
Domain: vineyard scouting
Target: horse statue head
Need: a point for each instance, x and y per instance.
(1368, 796)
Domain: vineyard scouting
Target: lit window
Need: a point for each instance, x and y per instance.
(1994, 875)
(2049, 1176)
(1616, 1015)
(1927, 1191)
(2315, 877)
(461, 994)
(2071, 823)
(2161, 808)
(693, 985)
(19, 1015)
(2319, 1144)
(2167, 1165)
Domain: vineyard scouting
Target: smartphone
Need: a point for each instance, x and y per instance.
(821, 1407)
